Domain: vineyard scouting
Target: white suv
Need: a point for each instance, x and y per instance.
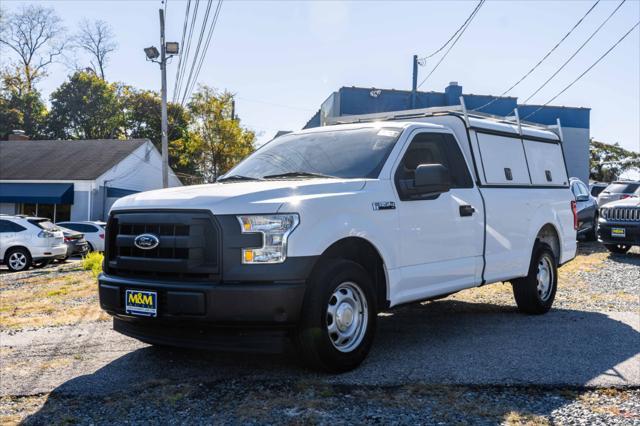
(25, 240)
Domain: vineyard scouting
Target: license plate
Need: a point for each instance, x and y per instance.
(618, 232)
(142, 303)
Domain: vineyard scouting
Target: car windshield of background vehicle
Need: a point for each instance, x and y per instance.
(623, 188)
(357, 153)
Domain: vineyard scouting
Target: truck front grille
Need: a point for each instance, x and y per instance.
(622, 214)
(189, 247)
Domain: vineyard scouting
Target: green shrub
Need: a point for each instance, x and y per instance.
(93, 262)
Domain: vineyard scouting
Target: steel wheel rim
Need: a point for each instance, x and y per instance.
(18, 260)
(347, 316)
(545, 278)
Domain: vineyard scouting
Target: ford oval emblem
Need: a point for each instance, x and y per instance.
(146, 241)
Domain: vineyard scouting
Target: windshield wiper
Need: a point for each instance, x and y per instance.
(236, 178)
(299, 174)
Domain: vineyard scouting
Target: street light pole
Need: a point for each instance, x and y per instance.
(165, 136)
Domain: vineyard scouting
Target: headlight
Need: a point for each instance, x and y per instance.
(275, 229)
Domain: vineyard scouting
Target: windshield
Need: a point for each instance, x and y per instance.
(357, 153)
(623, 188)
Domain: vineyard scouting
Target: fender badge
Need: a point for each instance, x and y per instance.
(384, 205)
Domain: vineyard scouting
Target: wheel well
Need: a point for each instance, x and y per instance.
(549, 235)
(12, 248)
(364, 253)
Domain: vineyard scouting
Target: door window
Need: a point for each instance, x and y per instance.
(433, 148)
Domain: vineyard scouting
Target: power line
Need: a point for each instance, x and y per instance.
(197, 51)
(184, 32)
(454, 34)
(576, 25)
(468, 22)
(206, 47)
(575, 53)
(586, 71)
(187, 50)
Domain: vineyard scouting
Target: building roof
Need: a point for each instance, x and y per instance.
(62, 160)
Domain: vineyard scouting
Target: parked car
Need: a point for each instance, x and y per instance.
(587, 208)
(27, 240)
(619, 227)
(93, 232)
(619, 191)
(595, 188)
(75, 242)
(317, 231)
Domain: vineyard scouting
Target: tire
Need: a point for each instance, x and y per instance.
(90, 247)
(17, 259)
(618, 248)
(535, 293)
(337, 289)
(592, 234)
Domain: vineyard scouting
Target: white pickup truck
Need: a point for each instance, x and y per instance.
(318, 231)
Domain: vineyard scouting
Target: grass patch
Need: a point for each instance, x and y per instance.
(93, 262)
(50, 301)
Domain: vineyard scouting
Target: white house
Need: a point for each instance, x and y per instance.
(75, 180)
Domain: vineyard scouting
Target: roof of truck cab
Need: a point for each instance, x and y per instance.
(477, 121)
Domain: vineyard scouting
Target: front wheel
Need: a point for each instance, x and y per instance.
(618, 248)
(338, 318)
(534, 293)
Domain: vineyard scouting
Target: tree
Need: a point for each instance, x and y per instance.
(86, 107)
(20, 108)
(97, 40)
(608, 162)
(142, 115)
(34, 33)
(216, 139)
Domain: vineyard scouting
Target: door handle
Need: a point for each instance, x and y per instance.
(466, 210)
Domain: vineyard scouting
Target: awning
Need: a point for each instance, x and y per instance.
(43, 193)
(119, 192)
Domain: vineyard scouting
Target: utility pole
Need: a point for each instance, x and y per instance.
(165, 136)
(414, 85)
(171, 48)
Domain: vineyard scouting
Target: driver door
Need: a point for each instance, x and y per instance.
(441, 234)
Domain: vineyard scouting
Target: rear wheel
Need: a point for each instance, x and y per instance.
(338, 317)
(618, 248)
(17, 259)
(535, 293)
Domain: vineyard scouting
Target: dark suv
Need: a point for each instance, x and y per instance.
(619, 225)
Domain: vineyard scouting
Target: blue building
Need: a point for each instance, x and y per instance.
(574, 121)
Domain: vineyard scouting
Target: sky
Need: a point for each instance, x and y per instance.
(283, 59)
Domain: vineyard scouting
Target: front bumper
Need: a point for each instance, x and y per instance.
(632, 232)
(203, 304)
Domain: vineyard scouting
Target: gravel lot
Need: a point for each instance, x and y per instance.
(467, 359)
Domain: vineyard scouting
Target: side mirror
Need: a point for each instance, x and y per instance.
(432, 178)
(582, 198)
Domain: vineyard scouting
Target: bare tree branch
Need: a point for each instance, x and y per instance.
(35, 34)
(96, 38)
